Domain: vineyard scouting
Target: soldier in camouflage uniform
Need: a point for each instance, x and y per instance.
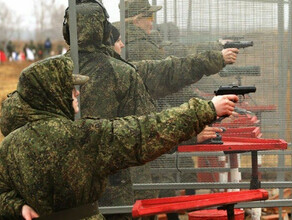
(116, 40)
(139, 15)
(52, 165)
(118, 88)
(142, 43)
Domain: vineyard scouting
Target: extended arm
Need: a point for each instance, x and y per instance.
(136, 140)
(171, 74)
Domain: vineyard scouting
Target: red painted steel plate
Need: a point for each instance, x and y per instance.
(195, 202)
(238, 144)
(261, 108)
(248, 132)
(239, 121)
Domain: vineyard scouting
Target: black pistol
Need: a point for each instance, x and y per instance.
(228, 90)
(235, 90)
(238, 44)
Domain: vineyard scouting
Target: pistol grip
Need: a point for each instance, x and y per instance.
(216, 140)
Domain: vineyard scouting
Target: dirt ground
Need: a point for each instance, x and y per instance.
(9, 74)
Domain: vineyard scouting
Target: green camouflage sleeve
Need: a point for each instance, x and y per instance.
(10, 201)
(144, 50)
(205, 46)
(136, 140)
(172, 74)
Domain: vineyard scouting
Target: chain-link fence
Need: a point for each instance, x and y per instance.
(184, 27)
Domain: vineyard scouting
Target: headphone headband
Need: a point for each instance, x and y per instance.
(107, 24)
(103, 8)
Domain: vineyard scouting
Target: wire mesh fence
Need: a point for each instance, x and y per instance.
(185, 27)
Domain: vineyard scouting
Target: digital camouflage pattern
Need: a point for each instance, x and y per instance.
(109, 93)
(204, 46)
(143, 46)
(79, 79)
(138, 42)
(139, 45)
(14, 106)
(164, 77)
(170, 43)
(117, 89)
(53, 163)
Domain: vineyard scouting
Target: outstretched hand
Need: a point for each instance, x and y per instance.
(208, 133)
(225, 104)
(230, 55)
(28, 213)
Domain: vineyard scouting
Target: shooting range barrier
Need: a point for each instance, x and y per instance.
(192, 26)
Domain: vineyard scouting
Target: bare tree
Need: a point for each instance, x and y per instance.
(9, 25)
(40, 14)
(49, 16)
(57, 16)
(8, 22)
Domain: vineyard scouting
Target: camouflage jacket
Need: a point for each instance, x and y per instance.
(129, 89)
(140, 45)
(118, 88)
(52, 163)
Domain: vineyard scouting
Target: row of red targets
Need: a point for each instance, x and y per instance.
(242, 134)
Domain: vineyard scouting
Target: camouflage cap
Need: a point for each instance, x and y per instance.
(135, 7)
(79, 79)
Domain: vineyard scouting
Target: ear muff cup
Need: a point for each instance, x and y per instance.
(107, 32)
(107, 25)
(65, 29)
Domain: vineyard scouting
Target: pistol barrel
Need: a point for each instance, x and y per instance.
(236, 90)
(238, 44)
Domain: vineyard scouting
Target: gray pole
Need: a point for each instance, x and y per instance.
(289, 62)
(73, 43)
(217, 18)
(282, 70)
(154, 2)
(190, 16)
(210, 21)
(175, 11)
(290, 59)
(165, 22)
(282, 90)
(123, 26)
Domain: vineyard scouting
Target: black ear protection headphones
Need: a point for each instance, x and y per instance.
(66, 33)
(107, 25)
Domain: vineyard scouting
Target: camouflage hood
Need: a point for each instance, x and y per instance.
(90, 28)
(44, 90)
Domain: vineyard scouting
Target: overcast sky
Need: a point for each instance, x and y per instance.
(25, 8)
(112, 7)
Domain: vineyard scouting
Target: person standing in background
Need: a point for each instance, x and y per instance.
(10, 48)
(47, 47)
(116, 40)
(139, 15)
